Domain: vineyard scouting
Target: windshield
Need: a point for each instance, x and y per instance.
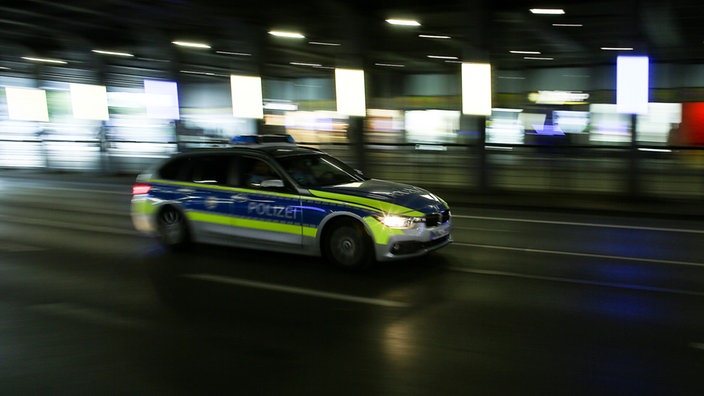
(318, 170)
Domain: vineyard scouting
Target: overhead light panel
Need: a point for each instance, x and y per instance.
(525, 52)
(567, 24)
(113, 53)
(280, 33)
(403, 22)
(191, 44)
(616, 48)
(233, 53)
(324, 43)
(389, 65)
(45, 60)
(434, 36)
(548, 11)
(442, 57)
(542, 58)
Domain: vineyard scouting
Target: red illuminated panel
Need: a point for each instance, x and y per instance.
(691, 131)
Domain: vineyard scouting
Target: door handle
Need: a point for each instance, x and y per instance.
(239, 198)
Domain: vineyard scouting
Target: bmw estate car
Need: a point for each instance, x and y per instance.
(279, 196)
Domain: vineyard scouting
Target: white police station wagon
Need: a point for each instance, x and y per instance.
(283, 197)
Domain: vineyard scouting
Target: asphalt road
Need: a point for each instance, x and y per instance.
(523, 302)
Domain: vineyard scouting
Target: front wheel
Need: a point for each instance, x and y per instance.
(173, 230)
(348, 246)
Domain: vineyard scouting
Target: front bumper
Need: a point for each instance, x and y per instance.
(413, 242)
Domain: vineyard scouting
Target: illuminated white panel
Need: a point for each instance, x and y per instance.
(632, 84)
(247, 96)
(26, 104)
(90, 102)
(349, 88)
(161, 99)
(476, 88)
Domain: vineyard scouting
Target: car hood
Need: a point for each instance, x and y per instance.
(389, 197)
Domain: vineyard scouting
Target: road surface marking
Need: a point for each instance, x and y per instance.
(295, 290)
(591, 255)
(571, 223)
(578, 281)
(71, 226)
(91, 315)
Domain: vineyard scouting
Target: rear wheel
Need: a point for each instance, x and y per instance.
(349, 246)
(173, 230)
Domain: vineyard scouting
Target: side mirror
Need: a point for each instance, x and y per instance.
(272, 183)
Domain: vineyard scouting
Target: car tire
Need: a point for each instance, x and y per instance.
(173, 229)
(348, 246)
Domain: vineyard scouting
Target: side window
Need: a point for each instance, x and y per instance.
(254, 171)
(176, 169)
(210, 169)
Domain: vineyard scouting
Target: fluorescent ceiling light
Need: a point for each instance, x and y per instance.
(389, 65)
(324, 43)
(114, 53)
(548, 11)
(617, 48)
(45, 60)
(567, 24)
(306, 64)
(403, 22)
(233, 53)
(526, 52)
(279, 33)
(453, 61)
(434, 36)
(190, 44)
(538, 58)
(442, 57)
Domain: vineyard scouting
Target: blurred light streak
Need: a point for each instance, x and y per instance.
(45, 60)
(617, 48)
(113, 53)
(433, 36)
(547, 11)
(525, 52)
(279, 33)
(403, 22)
(567, 24)
(540, 58)
(191, 44)
(324, 43)
(389, 65)
(233, 53)
(443, 57)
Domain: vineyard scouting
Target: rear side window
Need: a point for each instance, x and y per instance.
(175, 169)
(204, 169)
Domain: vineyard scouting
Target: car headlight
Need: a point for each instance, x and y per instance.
(396, 221)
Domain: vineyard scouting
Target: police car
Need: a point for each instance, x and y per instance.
(283, 197)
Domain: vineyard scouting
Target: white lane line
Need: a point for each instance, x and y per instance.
(89, 315)
(591, 255)
(697, 345)
(578, 281)
(70, 226)
(571, 223)
(14, 247)
(295, 290)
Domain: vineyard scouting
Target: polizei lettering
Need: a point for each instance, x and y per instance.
(281, 212)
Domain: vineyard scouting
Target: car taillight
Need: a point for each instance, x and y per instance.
(141, 188)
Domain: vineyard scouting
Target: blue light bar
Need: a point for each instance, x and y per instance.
(259, 139)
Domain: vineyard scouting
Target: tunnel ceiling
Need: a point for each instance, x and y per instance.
(480, 31)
